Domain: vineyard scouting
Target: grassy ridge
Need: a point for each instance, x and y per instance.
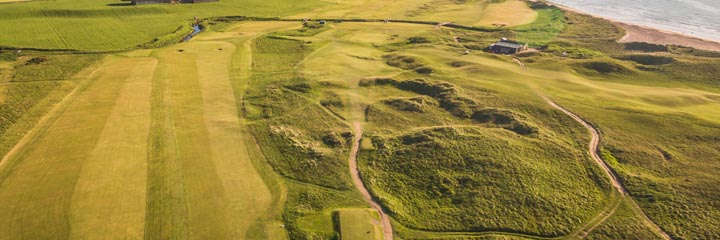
(282, 104)
(663, 88)
(416, 185)
(449, 188)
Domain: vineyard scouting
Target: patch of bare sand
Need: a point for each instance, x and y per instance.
(644, 34)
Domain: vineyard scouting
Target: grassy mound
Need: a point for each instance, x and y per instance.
(402, 62)
(300, 140)
(646, 47)
(505, 119)
(646, 59)
(452, 179)
(415, 104)
(603, 67)
(447, 94)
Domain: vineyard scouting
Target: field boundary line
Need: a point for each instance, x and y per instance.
(51, 115)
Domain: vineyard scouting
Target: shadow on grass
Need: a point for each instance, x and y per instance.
(120, 4)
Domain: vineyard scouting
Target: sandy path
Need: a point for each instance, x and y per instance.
(384, 218)
(592, 147)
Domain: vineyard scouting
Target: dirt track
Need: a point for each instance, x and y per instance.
(593, 148)
(384, 218)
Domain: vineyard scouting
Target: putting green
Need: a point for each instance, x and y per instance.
(359, 224)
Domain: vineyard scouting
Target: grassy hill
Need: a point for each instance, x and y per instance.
(245, 131)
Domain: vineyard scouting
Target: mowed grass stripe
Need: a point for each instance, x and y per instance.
(109, 198)
(207, 208)
(167, 208)
(38, 183)
(247, 195)
(202, 201)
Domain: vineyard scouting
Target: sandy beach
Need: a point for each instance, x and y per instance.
(644, 34)
(635, 33)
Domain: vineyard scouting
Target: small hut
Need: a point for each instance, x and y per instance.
(505, 46)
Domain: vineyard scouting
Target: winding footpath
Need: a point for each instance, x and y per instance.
(384, 218)
(593, 148)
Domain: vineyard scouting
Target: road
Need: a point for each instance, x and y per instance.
(384, 218)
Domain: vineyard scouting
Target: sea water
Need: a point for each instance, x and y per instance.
(699, 18)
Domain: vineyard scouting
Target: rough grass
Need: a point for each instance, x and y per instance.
(442, 158)
(623, 224)
(23, 105)
(440, 179)
(309, 209)
(293, 136)
(52, 67)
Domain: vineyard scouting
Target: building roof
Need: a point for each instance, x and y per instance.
(508, 44)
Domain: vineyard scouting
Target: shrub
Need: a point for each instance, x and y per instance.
(605, 67)
(417, 40)
(415, 104)
(402, 62)
(424, 70)
(646, 47)
(647, 59)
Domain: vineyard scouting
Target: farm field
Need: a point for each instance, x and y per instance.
(104, 25)
(268, 129)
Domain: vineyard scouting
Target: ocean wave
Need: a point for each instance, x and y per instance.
(700, 18)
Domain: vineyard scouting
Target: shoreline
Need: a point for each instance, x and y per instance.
(637, 33)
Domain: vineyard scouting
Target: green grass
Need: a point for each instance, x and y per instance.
(441, 179)
(413, 179)
(359, 224)
(62, 163)
(202, 174)
(98, 25)
(309, 208)
(244, 134)
(623, 224)
(550, 22)
(52, 67)
(291, 124)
